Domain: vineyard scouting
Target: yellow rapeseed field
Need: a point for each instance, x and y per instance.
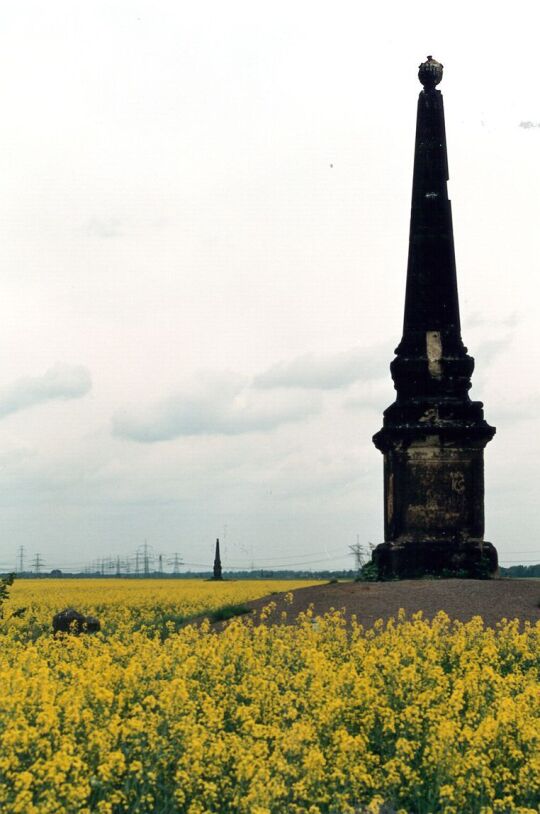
(125, 606)
(306, 719)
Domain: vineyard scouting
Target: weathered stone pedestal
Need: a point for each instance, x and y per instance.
(433, 436)
(434, 500)
(440, 558)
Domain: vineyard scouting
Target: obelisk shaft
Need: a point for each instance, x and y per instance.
(431, 302)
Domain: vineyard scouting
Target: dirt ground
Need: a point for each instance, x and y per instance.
(462, 599)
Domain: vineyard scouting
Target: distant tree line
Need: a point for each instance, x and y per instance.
(521, 571)
(255, 574)
(516, 571)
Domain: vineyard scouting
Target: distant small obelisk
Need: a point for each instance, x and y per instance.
(433, 436)
(217, 563)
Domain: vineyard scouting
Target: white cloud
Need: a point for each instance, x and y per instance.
(328, 372)
(105, 227)
(59, 382)
(217, 405)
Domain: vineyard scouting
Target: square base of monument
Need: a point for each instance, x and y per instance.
(444, 558)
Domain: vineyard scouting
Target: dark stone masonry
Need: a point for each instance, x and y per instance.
(217, 572)
(433, 435)
(71, 621)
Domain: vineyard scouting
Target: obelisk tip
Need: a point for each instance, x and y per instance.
(430, 73)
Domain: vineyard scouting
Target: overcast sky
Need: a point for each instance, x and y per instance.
(204, 212)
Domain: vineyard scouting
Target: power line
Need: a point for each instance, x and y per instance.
(37, 563)
(360, 552)
(252, 566)
(141, 561)
(146, 559)
(176, 562)
(518, 561)
(293, 556)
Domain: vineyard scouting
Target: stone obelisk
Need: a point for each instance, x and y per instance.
(217, 572)
(433, 435)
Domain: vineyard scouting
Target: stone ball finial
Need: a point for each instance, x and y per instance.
(430, 73)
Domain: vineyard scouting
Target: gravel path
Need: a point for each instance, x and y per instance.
(462, 599)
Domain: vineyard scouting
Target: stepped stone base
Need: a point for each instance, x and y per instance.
(445, 558)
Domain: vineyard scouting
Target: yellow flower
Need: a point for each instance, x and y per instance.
(317, 716)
